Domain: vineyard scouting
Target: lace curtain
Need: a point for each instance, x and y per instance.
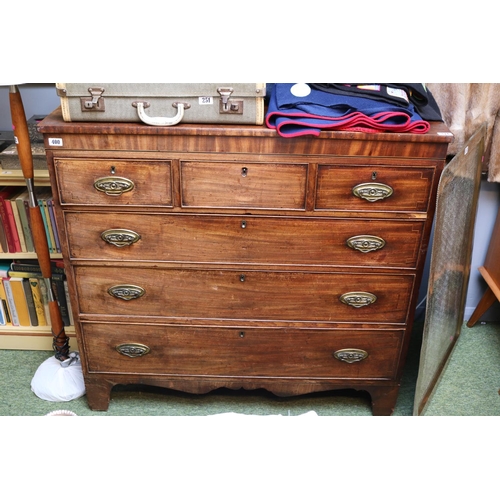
(464, 107)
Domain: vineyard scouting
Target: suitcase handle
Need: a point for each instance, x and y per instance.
(160, 121)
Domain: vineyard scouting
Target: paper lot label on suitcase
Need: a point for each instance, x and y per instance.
(237, 103)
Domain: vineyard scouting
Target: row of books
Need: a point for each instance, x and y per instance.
(15, 224)
(23, 294)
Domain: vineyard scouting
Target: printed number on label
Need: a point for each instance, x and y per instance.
(205, 100)
(55, 142)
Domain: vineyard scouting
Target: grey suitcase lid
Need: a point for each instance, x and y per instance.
(134, 90)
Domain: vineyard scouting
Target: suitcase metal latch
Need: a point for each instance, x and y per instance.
(227, 105)
(95, 102)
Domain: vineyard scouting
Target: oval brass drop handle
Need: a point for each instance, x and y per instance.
(120, 237)
(126, 292)
(358, 299)
(113, 186)
(372, 191)
(365, 243)
(350, 355)
(133, 350)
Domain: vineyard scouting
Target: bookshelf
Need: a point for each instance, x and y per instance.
(28, 337)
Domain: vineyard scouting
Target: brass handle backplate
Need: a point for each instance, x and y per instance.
(113, 186)
(126, 292)
(120, 237)
(133, 350)
(372, 191)
(365, 243)
(350, 355)
(358, 299)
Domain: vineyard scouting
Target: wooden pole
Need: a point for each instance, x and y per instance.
(60, 342)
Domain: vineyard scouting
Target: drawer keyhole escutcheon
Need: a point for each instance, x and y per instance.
(358, 299)
(126, 292)
(242, 278)
(120, 237)
(243, 224)
(365, 243)
(133, 350)
(242, 334)
(113, 186)
(350, 355)
(244, 171)
(372, 191)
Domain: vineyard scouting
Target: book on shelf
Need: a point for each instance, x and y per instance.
(12, 226)
(4, 268)
(24, 215)
(30, 301)
(3, 239)
(36, 293)
(50, 206)
(60, 296)
(17, 223)
(3, 318)
(33, 266)
(7, 218)
(9, 299)
(20, 301)
(45, 300)
(6, 319)
(5, 236)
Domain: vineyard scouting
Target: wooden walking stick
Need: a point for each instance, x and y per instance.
(60, 341)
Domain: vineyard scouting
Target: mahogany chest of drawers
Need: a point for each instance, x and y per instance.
(204, 256)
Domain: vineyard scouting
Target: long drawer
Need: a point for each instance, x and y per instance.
(248, 352)
(252, 295)
(251, 240)
(373, 188)
(114, 182)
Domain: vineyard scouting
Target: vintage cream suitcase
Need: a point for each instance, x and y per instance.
(163, 104)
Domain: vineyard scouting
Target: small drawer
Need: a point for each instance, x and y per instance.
(244, 295)
(243, 240)
(248, 352)
(114, 182)
(243, 185)
(373, 188)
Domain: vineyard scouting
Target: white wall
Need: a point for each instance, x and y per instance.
(41, 99)
(38, 99)
(488, 206)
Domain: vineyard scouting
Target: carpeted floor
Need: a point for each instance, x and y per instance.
(470, 386)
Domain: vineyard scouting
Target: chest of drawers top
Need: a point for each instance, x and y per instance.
(196, 138)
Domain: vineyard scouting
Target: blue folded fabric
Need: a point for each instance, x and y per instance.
(400, 94)
(294, 115)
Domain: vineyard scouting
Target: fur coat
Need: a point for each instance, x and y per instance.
(464, 107)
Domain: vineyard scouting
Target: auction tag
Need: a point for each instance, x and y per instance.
(203, 101)
(54, 141)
